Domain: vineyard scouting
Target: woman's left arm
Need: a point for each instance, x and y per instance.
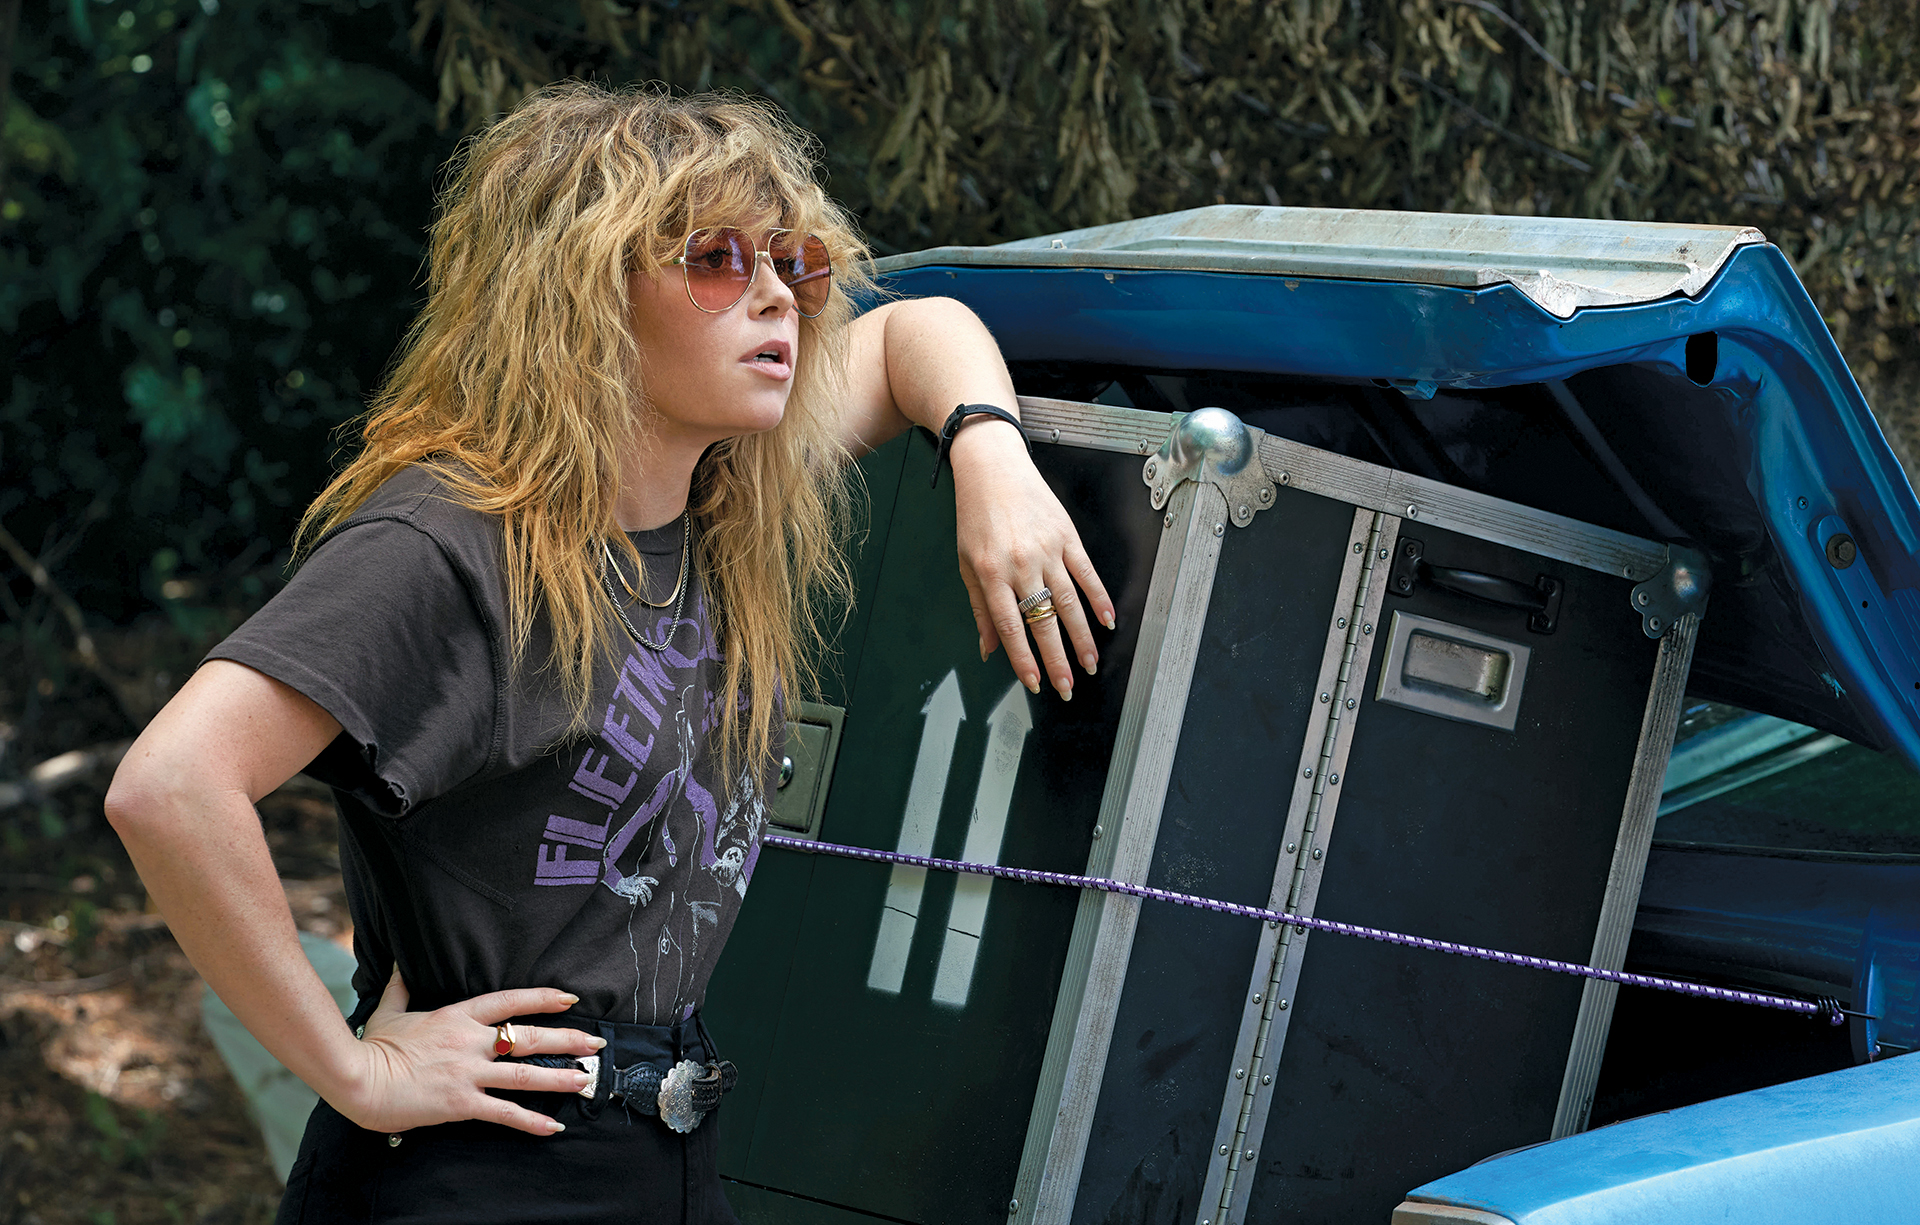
(911, 363)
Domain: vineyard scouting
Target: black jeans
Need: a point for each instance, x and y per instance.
(610, 1165)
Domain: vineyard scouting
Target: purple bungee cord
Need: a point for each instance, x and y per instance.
(1829, 1008)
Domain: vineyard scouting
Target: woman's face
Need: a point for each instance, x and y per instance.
(715, 376)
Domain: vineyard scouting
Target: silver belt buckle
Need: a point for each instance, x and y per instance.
(674, 1101)
(676, 1096)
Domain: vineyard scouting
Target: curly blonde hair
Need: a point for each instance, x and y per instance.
(522, 385)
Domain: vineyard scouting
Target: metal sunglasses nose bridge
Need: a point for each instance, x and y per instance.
(754, 275)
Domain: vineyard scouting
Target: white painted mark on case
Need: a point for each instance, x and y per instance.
(944, 713)
(1007, 729)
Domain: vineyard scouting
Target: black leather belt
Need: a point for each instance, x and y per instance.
(680, 1095)
(672, 1072)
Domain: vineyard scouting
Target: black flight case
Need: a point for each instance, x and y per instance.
(1335, 690)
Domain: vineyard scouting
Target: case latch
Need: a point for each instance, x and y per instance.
(806, 768)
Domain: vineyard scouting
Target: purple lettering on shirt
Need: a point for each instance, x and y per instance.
(554, 868)
(644, 673)
(614, 727)
(580, 833)
(634, 751)
(591, 781)
(665, 628)
(709, 648)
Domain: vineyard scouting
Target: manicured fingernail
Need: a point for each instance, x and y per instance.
(555, 1125)
(1033, 684)
(983, 655)
(1066, 695)
(1091, 664)
(579, 1080)
(570, 997)
(598, 1043)
(1109, 620)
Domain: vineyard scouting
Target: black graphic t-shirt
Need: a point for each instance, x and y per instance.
(482, 850)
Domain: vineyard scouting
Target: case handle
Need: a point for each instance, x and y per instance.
(1540, 600)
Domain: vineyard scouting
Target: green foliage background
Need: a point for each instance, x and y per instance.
(212, 216)
(212, 229)
(984, 120)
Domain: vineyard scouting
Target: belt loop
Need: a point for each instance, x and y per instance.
(610, 1056)
(706, 1039)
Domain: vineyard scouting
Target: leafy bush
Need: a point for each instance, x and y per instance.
(210, 239)
(972, 121)
(213, 210)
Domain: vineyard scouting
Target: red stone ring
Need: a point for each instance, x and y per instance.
(503, 1039)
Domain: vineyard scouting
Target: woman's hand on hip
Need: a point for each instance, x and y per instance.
(420, 1068)
(1015, 538)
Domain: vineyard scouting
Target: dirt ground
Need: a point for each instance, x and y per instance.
(114, 1107)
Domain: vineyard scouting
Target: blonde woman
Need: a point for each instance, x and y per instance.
(538, 646)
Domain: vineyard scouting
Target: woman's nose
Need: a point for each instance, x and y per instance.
(772, 293)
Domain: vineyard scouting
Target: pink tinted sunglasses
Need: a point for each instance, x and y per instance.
(719, 265)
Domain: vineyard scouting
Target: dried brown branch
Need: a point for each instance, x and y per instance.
(1527, 142)
(83, 644)
(1502, 16)
(67, 986)
(61, 771)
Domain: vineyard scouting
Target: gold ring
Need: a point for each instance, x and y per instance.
(1043, 611)
(503, 1039)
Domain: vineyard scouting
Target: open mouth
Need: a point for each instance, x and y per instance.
(775, 357)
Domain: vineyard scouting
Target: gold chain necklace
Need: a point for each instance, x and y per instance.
(679, 589)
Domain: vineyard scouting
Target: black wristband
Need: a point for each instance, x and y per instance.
(959, 417)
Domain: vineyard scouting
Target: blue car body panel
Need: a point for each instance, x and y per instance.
(1804, 923)
(1815, 460)
(1852, 1137)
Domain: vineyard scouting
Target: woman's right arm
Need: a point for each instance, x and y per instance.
(183, 802)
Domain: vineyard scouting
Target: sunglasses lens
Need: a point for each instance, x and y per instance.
(719, 264)
(801, 261)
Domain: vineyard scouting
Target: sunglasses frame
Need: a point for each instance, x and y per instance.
(686, 275)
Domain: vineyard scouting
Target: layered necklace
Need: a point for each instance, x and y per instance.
(678, 599)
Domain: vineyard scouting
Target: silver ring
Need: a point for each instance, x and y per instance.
(1042, 596)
